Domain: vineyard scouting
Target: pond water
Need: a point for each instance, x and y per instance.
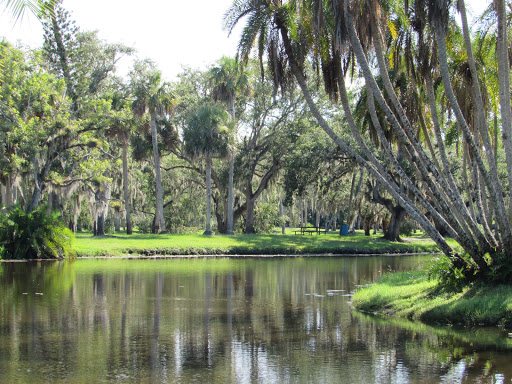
(225, 321)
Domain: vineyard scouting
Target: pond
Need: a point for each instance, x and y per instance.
(285, 320)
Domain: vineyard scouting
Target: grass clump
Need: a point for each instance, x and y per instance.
(414, 296)
(34, 235)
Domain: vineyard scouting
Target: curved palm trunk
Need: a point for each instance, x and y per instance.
(159, 193)
(126, 189)
(372, 165)
(504, 84)
(208, 230)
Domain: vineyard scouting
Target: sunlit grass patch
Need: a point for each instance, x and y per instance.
(412, 295)
(196, 244)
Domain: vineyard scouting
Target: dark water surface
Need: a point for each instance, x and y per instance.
(225, 321)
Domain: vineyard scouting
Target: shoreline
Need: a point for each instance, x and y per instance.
(227, 256)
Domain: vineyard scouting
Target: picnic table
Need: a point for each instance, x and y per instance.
(310, 230)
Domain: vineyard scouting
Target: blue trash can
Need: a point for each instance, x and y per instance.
(344, 230)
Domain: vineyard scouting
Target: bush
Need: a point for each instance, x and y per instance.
(407, 228)
(144, 225)
(35, 235)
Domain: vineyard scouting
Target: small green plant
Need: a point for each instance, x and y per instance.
(500, 267)
(34, 235)
(454, 274)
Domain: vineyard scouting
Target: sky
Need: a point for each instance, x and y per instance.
(172, 33)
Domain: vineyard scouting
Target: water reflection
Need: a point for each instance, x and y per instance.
(240, 321)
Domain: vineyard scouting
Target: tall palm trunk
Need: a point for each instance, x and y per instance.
(208, 230)
(229, 230)
(504, 85)
(495, 190)
(159, 193)
(126, 189)
(372, 165)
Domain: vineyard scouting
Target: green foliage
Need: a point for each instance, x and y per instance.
(108, 226)
(206, 131)
(266, 218)
(34, 235)
(407, 228)
(500, 266)
(143, 224)
(459, 272)
(454, 274)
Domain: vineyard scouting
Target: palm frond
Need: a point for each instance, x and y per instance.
(17, 8)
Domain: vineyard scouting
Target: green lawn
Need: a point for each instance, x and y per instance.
(171, 244)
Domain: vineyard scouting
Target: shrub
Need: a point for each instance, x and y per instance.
(144, 225)
(35, 235)
(407, 228)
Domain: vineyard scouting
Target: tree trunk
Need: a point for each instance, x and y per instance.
(292, 215)
(249, 216)
(504, 84)
(317, 212)
(8, 192)
(3, 191)
(305, 211)
(229, 230)
(39, 183)
(281, 211)
(102, 197)
(366, 226)
(158, 178)
(208, 231)
(397, 217)
(100, 224)
(117, 222)
(126, 189)
(300, 213)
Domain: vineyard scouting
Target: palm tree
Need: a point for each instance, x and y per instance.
(152, 96)
(207, 133)
(228, 79)
(335, 33)
(121, 126)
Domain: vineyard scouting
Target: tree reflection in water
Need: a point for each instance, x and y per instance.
(279, 320)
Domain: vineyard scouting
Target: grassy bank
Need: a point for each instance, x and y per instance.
(412, 295)
(170, 244)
